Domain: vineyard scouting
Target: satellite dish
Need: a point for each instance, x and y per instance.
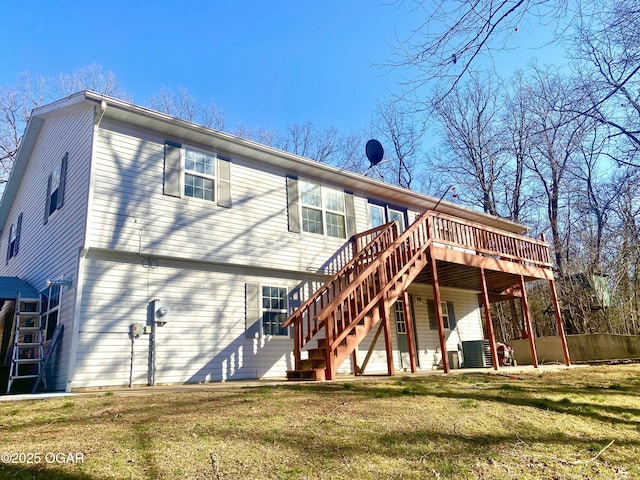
(375, 152)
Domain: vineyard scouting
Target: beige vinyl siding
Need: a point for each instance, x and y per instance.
(468, 320)
(204, 339)
(132, 214)
(51, 250)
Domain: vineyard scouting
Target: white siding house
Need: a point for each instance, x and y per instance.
(130, 206)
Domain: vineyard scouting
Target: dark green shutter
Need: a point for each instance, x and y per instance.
(452, 316)
(252, 310)
(350, 211)
(47, 203)
(293, 204)
(224, 182)
(63, 180)
(18, 229)
(172, 169)
(433, 319)
(9, 243)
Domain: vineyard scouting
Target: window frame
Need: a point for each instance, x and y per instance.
(50, 311)
(284, 311)
(325, 211)
(56, 196)
(387, 211)
(184, 172)
(446, 315)
(13, 239)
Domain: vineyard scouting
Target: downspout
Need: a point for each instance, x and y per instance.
(84, 249)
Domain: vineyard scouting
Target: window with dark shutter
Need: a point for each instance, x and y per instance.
(13, 244)
(55, 188)
(446, 307)
(189, 172)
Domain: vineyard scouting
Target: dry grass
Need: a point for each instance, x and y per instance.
(581, 423)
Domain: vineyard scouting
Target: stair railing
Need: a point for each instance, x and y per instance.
(305, 318)
(370, 287)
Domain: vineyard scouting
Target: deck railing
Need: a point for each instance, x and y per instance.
(482, 240)
(370, 244)
(382, 256)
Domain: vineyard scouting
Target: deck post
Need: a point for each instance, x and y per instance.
(527, 322)
(408, 320)
(487, 316)
(563, 337)
(438, 307)
(330, 368)
(384, 312)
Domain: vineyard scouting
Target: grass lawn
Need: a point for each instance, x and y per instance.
(578, 423)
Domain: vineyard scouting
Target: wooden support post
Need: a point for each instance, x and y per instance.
(487, 316)
(386, 322)
(563, 336)
(330, 368)
(527, 322)
(408, 320)
(354, 362)
(438, 307)
(515, 319)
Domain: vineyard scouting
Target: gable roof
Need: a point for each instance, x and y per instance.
(175, 128)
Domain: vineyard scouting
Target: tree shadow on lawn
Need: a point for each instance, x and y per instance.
(487, 389)
(31, 472)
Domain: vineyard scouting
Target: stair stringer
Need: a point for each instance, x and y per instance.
(382, 280)
(390, 294)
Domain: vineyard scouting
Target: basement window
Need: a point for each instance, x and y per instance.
(274, 311)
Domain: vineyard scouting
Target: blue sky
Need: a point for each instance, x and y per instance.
(266, 63)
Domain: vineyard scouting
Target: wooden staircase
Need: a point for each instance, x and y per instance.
(342, 312)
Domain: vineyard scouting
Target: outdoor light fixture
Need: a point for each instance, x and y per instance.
(60, 283)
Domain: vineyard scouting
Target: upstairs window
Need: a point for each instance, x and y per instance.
(189, 172)
(379, 214)
(14, 238)
(55, 188)
(199, 174)
(323, 210)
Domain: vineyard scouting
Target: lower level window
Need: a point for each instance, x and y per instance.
(51, 306)
(274, 311)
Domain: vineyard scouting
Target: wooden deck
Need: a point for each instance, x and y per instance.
(437, 249)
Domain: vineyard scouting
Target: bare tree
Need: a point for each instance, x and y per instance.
(470, 126)
(556, 138)
(608, 44)
(454, 35)
(90, 77)
(305, 140)
(17, 102)
(183, 105)
(402, 132)
(516, 120)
